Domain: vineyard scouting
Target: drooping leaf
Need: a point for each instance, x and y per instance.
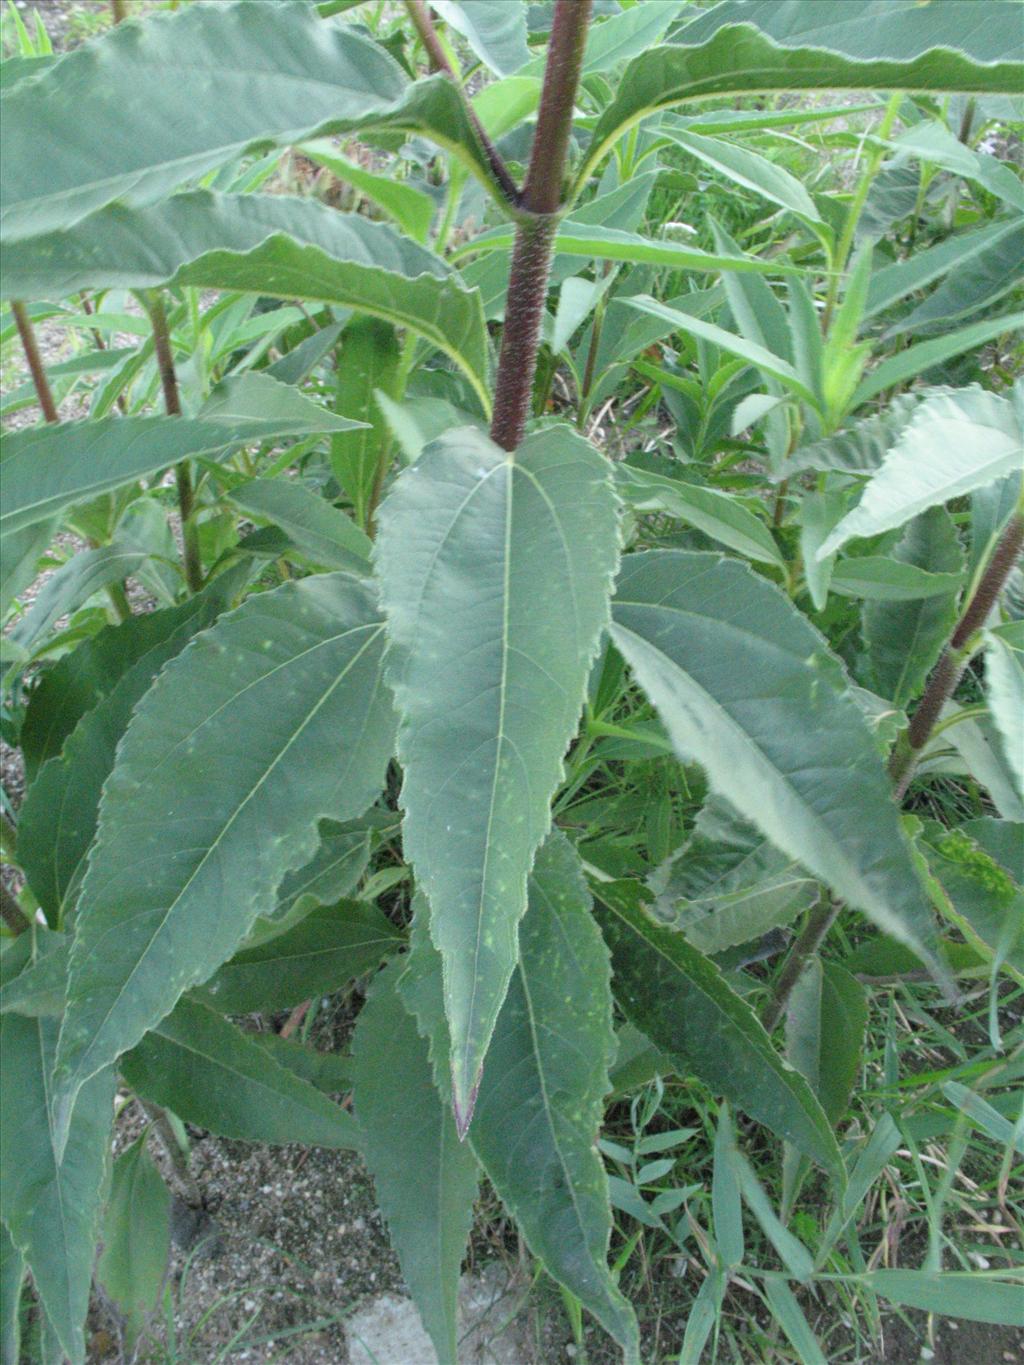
(48, 468)
(973, 285)
(302, 728)
(924, 355)
(745, 168)
(1004, 679)
(540, 1103)
(825, 1024)
(954, 443)
(759, 45)
(271, 244)
(67, 589)
(322, 953)
(879, 578)
(321, 532)
(412, 209)
(895, 282)
(494, 29)
(745, 685)
(728, 885)
(57, 821)
(426, 1179)
(272, 75)
(20, 553)
(678, 998)
(861, 448)
(904, 639)
(210, 1073)
(495, 572)
(51, 1204)
(82, 678)
(136, 1237)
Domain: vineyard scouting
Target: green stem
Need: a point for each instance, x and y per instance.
(182, 474)
(535, 235)
(853, 214)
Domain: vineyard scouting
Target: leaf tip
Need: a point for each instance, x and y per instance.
(464, 1101)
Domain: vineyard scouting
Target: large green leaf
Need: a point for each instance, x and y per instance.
(495, 573)
(297, 728)
(728, 885)
(47, 468)
(57, 821)
(678, 998)
(136, 1236)
(426, 1179)
(208, 1072)
(272, 244)
(758, 45)
(270, 74)
(322, 953)
(51, 1201)
(954, 443)
(747, 687)
(904, 639)
(494, 29)
(541, 1098)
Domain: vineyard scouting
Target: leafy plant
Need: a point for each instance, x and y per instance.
(598, 745)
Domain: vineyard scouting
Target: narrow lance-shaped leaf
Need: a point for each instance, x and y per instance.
(47, 468)
(210, 1073)
(136, 1236)
(678, 998)
(1004, 676)
(541, 1098)
(746, 686)
(318, 530)
(954, 443)
(495, 573)
(759, 45)
(271, 74)
(285, 701)
(426, 1179)
(278, 245)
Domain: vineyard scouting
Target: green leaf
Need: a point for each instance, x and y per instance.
(984, 901)
(494, 574)
(332, 872)
(41, 987)
(954, 443)
(321, 532)
(790, 1316)
(746, 686)
(302, 728)
(726, 1205)
(728, 885)
(623, 35)
(210, 1073)
(136, 1237)
(678, 997)
(20, 553)
(825, 1025)
(57, 821)
(761, 45)
(1004, 684)
(368, 366)
(975, 284)
(426, 1179)
(494, 29)
(12, 1279)
(904, 639)
(541, 1098)
(792, 1252)
(48, 468)
(750, 351)
(745, 168)
(322, 953)
(953, 1293)
(273, 76)
(981, 1113)
(278, 245)
(411, 209)
(881, 579)
(68, 588)
(859, 449)
(717, 514)
(895, 282)
(926, 354)
(51, 1205)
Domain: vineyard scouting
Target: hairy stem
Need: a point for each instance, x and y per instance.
(541, 202)
(949, 670)
(424, 25)
(182, 474)
(35, 363)
(819, 922)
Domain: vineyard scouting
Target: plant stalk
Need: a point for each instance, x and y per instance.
(819, 922)
(119, 9)
(172, 404)
(540, 206)
(424, 25)
(182, 1182)
(35, 363)
(949, 670)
